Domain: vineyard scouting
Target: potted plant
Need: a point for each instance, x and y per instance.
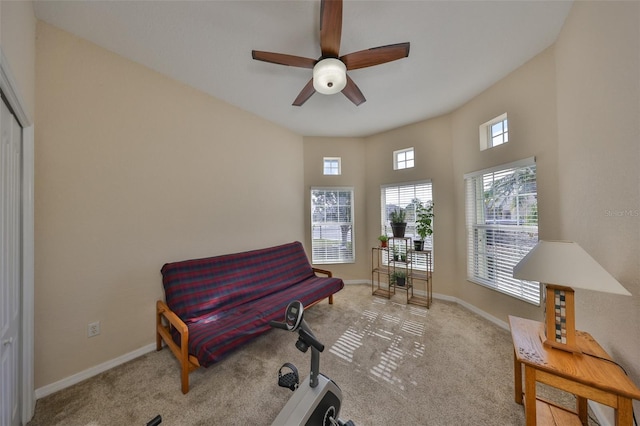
(424, 224)
(398, 278)
(396, 254)
(383, 240)
(398, 223)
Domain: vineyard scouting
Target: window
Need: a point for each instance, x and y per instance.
(494, 132)
(407, 196)
(502, 226)
(332, 165)
(403, 159)
(332, 239)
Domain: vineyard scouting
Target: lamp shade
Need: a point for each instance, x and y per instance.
(329, 76)
(566, 263)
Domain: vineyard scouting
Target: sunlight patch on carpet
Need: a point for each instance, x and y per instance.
(391, 318)
(390, 342)
(347, 344)
(413, 327)
(421, 312)
(379, 301)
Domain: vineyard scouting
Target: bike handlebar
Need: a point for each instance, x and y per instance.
(276, 324)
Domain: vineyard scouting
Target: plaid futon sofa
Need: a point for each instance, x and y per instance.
(215, 305)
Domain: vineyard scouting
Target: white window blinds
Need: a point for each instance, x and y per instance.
(332, 239)
(407, 196)
(502, 226)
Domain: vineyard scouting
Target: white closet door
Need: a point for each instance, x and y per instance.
(10, 267)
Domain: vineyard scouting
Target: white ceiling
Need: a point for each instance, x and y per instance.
(458, 49)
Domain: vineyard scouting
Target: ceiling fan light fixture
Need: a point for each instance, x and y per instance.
(329, 76)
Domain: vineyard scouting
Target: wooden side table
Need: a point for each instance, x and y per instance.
(584, 375)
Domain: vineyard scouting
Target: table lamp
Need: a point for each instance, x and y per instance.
(561, 265)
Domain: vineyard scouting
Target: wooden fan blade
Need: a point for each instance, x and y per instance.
(305, 94)
(375, 56)
(353, 93)
(282, 59)
(330, 27)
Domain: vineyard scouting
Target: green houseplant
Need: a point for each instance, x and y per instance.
(396, 254)
(383, 240)
(424, 224)
(398, 222)
(398, 278)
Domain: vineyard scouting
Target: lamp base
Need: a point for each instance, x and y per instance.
(559, 320)
(557, 345)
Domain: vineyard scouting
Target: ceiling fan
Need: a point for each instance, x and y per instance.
(330, 70)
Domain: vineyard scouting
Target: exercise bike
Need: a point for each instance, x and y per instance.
(316, 402)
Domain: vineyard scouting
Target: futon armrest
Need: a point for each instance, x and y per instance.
(163, 333)
(323, 271)
(175, 321)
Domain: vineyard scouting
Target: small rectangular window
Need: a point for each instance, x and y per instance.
(494, 132)
(332, 165)
(403, 159)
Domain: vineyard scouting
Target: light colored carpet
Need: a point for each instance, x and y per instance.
(396, 365)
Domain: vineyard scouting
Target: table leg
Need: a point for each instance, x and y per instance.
(517, 378)
(624, 413)
(530, 395)
(582, 409)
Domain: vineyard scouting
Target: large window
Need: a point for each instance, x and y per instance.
(502, 226)
(406, 196)
(332, 239)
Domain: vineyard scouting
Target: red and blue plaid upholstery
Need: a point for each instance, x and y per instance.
(228, 300)
(196, 288)
(210, 339)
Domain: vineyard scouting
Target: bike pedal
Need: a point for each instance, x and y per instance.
(289, 380)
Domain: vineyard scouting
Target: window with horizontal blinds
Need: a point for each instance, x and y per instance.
(332, 239)
(502, 226)
(407, 196)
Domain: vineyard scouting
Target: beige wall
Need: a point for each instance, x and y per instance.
(598, 79)
(528, 97)
(134, 170)
(431, 141)
(352, 154)
(17, 38)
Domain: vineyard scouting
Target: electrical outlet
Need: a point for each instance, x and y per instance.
(93, 329)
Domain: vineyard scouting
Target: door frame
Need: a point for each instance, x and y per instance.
(11, 92)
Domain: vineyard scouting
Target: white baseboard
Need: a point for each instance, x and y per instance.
(93, 371)
(482, 313)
